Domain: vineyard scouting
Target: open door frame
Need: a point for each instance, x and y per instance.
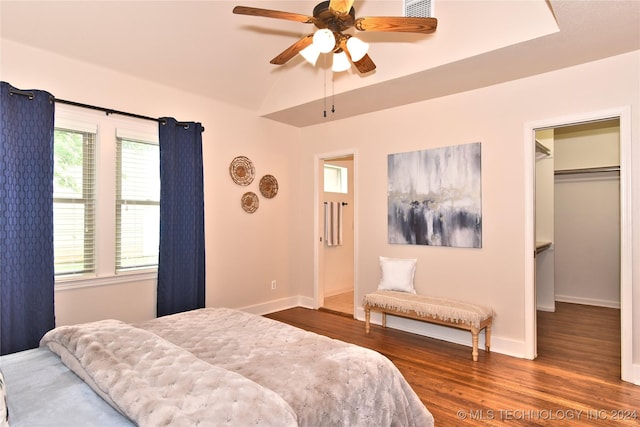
(626, 283)
(318, 254)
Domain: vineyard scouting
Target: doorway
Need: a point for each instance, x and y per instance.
(335, 278)
(577, 208)
(578, 234)
(623, 115)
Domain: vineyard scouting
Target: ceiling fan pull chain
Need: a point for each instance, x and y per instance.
(333, 95)
(324, 81)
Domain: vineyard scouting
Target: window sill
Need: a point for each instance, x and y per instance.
(90, 282)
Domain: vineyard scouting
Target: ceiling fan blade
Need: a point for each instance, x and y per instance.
(365, 65)
(292, 50)
(254, 11)
(397, 24)
(340, 7)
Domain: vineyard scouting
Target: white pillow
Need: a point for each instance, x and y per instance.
(397, 274)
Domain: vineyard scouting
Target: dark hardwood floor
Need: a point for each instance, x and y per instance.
(574, 381)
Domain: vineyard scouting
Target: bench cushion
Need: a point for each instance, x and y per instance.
(441, 308)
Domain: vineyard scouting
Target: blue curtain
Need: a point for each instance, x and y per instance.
(26, 217)
(181, 269)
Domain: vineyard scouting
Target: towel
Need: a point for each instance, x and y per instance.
(333, 223)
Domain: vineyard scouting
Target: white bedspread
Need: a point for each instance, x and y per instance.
(327, 382)
(156, 383)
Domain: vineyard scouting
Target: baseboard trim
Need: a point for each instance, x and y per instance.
(635, 374)
(587, 301)
(278, 305)
(338, 292)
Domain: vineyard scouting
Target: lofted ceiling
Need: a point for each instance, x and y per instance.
(201, 47)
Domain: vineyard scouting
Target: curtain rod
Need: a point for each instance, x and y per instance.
(108, 111)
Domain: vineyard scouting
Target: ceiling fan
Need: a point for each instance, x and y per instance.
(332, 18)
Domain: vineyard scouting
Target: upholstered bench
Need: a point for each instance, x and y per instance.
(440, 311)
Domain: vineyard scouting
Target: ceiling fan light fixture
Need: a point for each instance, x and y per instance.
(357, 48)
(340, 62)
(324, 40)
(311, 54)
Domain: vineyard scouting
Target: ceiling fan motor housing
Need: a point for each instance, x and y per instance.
(324, 18)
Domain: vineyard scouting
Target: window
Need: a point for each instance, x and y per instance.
(335, 179)
(106, 196)
(137, 204)
(74, 201)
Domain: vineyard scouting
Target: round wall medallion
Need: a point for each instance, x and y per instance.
(269, 186)
(241, 170)
(250, 202)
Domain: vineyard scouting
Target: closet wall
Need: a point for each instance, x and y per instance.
(545, 262)
(587, 213)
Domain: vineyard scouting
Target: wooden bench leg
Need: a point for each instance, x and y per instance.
(367, 319)
(474, 339)
(384, 319)
(487, 338)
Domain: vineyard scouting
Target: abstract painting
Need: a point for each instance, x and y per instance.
(434, 197)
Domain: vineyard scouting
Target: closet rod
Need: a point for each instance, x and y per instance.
(587, 170)
(108, 111)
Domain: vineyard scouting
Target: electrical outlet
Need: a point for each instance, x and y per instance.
(273, 284)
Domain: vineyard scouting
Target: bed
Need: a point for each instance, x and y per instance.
(213, 366)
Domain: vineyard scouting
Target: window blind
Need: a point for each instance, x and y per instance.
(137, 203)
(74, 202)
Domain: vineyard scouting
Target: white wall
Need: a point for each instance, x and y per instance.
(545, 259)
(587, 213)
(495, 116)
(587, 243)
(244, 252)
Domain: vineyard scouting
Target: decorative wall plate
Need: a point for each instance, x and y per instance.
(269, 186)
(241, 170)
(250, 202)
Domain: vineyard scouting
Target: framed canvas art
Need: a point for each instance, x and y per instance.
(434, 197)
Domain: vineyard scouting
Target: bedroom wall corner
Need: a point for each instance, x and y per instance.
(244, 252)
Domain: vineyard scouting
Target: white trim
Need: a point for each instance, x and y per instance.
(318, 294)
(278, 305)
(635, 374)
(338, 292)
(73, 283)
(530, 324)
(587, 301)
(626, 236)
(626, 246)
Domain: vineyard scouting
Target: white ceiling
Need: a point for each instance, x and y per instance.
(201, 47)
